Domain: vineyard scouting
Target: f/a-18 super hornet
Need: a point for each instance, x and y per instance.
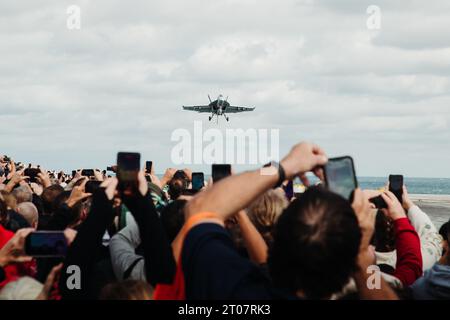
(219, 107)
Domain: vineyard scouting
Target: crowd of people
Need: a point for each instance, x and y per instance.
(241, 238)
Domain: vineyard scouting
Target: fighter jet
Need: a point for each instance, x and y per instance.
(218, 108)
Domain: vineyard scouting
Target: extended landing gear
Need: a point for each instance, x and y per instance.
(210, 118)
(228, 119)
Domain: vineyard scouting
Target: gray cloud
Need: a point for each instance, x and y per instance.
(73, 98)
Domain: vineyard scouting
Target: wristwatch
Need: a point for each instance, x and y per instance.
(281, 172)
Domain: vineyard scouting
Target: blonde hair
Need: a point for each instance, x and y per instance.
(265, 211)
(127, 290)
(25, 288)
(8, 199)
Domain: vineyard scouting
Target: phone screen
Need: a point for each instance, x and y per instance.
(396, 186)
(289, 190)
(46, 244)
(87, 172)
(32, 173)
(148, 166)
(128, 166)
(220, 171)
(340, 176)
(198, 181)
(92, 186)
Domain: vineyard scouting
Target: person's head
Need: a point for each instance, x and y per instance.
(9, 199)
(29, 211)
(444, 231)
(316, 243)
(265, 211)
(176, 187)
(77, 211)
(25, 288)
(384, 235)
(127, 290)
(48, 198)
(172, 218)
(22, 194)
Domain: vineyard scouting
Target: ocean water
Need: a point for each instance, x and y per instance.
(414, 185)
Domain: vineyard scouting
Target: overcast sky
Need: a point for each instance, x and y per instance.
(312, 69)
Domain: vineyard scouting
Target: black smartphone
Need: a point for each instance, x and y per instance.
(45, 244)
(92, 186)
(340, 176)
(87, 173)
(289, 190)
(128, 166)
(74, 172)
(379, 202)
(148, 166)
(32, 173)
(220, 171)
(198, 181)
(396, 186)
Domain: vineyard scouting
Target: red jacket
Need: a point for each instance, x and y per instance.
(409, 255)
(14, 271)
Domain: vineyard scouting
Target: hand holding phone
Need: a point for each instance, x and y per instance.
(45, 244)
(88, 173)
(340, 176)
(32, 173)
(148, 167)
(198, 181)
(220, 171)
(128, 166)
(396, 186)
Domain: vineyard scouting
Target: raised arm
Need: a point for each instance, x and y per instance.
(256, 246)
(430, 239)
(409, 257)
(228, 196)
(365, 212)
(160, 264)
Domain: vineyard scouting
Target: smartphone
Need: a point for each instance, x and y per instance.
(87, 173)
(45, 244)
(379, 202)
(289, 190)
(74, 172)
(92, 186)
(128, 166)
(32, 173)
(148, 166)
(340, 176)
(396, 186)
(220, 171)
(198, 181)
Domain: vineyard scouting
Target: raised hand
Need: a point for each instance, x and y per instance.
(14, 250)
(78, 193)
(407, 202)
(303, 157)
(366, 213)
(395, 209)
(44, 179)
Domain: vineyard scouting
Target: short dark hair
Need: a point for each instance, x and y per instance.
(444, 231)
(75, 210)
(384, 236)
(316, 243)
(172, 218)
(176, 187)
(48, 198)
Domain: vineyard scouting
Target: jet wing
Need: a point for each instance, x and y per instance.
(197, 108)
(234, 109)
